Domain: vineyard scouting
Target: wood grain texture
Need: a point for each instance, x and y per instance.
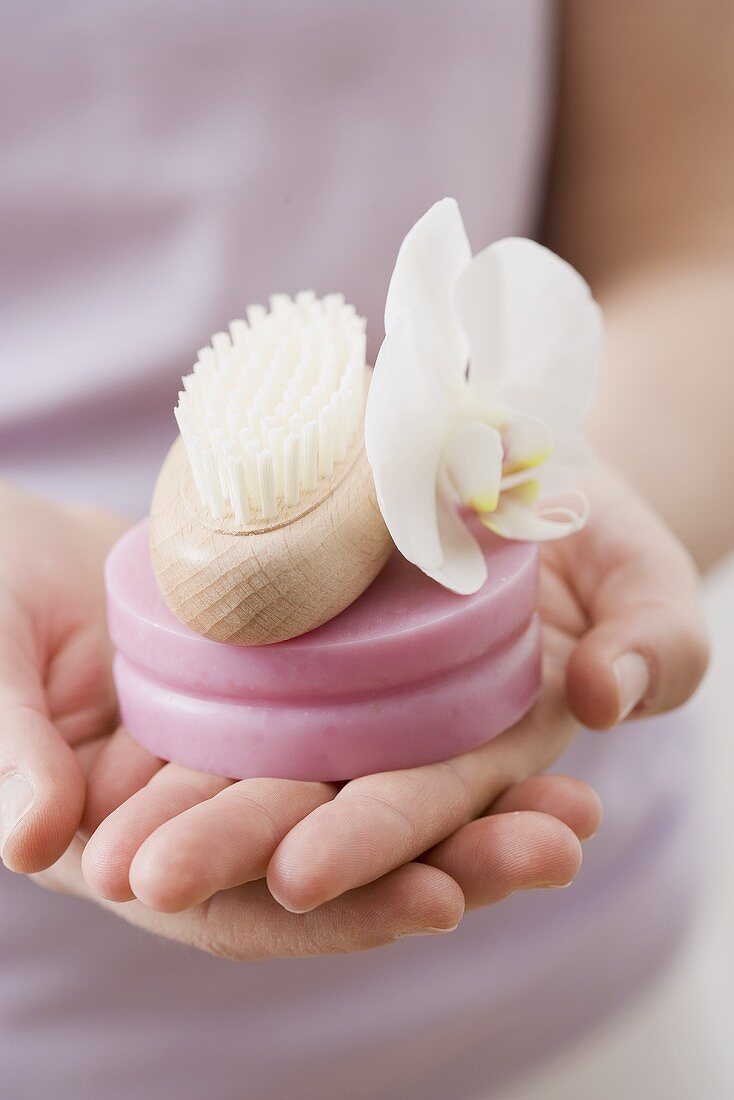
(255, 585)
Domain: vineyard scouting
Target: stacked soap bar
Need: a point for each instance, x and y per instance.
(407, 675)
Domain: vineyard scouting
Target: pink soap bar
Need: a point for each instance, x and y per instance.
(408, 675)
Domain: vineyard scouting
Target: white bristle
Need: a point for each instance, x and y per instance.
(255, 315)
(295, 424)
(326, 441)
(238, 331)
(229, 450)
(213, 486)
(309, 456)
(238, 488)
(253, 482)
(273, 405)
(233, 418)
(267, 484)
(207, 357)
(266, 426)
(280, 303)
(254, 416)
(222, 344)
(275, 446)
(217, 439)
(292, 470)
(341, 441)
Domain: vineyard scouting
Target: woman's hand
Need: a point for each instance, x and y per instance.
(65, 766)
(623, 634)
(57, 700)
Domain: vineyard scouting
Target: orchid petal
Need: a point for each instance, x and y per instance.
(473, 459)
(431, 259)
(550, 405)
(464, 567)
(529, 318)
(407, 422)
(518, 516)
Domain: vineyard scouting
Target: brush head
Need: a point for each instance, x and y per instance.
(271, 409)
(264, 521)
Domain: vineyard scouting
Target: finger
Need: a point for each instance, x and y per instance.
(381, 821)
(646, 650)
(570, 800)
(110, 851)
(221, 843)
(247, 923)
(79, 688)
(41, 784)
(495, 856)
(373, 825)
(121, 768)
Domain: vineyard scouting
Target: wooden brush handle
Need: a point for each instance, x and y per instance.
(255, 585)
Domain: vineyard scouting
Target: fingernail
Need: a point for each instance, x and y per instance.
(544, 886)
(289, 906)
(435, 931)
(16, 799)
(633, 680)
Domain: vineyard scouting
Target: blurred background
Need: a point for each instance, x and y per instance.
(165, 162)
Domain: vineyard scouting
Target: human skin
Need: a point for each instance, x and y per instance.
(641, 201)
(645, 95)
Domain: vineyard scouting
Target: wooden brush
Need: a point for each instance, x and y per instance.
(264, 522)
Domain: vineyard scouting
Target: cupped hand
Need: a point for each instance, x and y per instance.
(623, 636)
(66, 769)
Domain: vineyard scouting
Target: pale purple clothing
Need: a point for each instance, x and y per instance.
(164, 164)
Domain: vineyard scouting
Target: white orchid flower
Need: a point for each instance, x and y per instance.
(488, 368)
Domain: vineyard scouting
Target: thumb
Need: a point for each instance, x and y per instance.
(646, 650)
(41, 784)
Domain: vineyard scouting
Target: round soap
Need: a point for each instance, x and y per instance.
(407, 675)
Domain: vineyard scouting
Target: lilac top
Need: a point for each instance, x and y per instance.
(164, 165)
